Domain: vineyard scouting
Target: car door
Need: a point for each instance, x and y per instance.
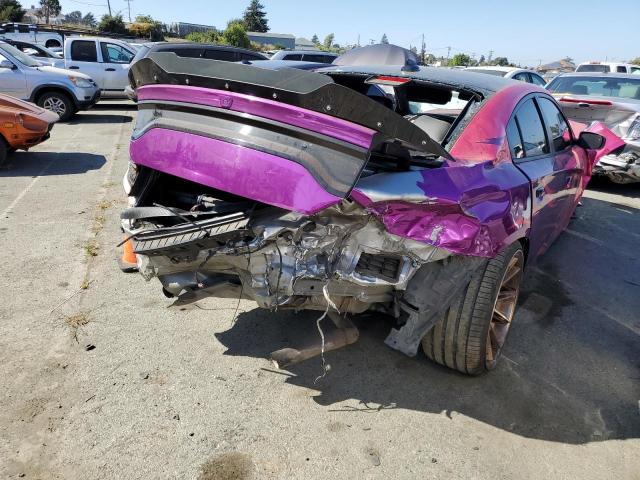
(13, 81)
(84, 57)
(115, 63)
(550, 176)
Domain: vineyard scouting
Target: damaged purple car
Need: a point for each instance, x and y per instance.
(416, 192)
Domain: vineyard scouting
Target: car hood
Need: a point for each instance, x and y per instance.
(62, 71)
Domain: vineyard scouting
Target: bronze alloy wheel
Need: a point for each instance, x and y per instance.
(504, 309)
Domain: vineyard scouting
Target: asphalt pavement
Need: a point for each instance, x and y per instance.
(100, 379)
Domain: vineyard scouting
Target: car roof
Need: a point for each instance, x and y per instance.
(184, 45)
(279, 64)
(600, 74)
(456, 78)
(311, 52)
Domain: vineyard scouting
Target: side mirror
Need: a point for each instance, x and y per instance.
(591, 141)
(7, 64)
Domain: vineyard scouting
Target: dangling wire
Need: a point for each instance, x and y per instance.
(330, 304)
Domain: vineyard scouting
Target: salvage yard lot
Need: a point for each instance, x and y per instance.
(101, 380)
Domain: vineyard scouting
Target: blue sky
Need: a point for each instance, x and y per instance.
(524, 31)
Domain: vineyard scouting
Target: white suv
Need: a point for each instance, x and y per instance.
(608, 67)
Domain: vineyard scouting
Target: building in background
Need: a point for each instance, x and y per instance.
(304, 44)
(182, 29)
(283, 40)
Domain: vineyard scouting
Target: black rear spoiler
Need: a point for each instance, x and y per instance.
(308, 90)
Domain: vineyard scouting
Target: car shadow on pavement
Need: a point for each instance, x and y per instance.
(603, 185)
(30, 164)
(570, 371)
(81, 119)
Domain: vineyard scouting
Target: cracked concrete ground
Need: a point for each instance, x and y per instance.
(99, 379)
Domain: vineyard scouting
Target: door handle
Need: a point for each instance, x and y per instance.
(109, 69)
(73, 67)
(540, 192)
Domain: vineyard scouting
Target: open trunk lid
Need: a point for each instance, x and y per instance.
(288, 138)
(587, 109)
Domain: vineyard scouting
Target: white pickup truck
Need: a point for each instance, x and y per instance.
(29, 33)
(105, 60)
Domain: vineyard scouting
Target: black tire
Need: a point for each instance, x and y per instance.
(59, 103)
(459, 341)
(4, 151)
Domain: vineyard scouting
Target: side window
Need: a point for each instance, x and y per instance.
(84, 51)
(224, 55)
(186, 52)
(560, 132)
(515, 142)
(537, 80)
(23, 28)
(294, 56)
(112, 53)
(520, 76)
(534, 140)
(248, 56)
(621, 69)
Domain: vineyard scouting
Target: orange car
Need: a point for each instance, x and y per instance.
(22, 125)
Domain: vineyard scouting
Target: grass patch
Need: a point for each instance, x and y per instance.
(78, 320)
(92, 248)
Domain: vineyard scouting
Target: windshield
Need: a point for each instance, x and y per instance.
(597, 86)
(19, 56)
(593, 68)
(496, 73)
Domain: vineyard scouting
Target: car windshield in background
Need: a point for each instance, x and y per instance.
(594, 68)
(496, 73)
(19, 56)
(597, 86)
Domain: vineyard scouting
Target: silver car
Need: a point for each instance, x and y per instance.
(611, 98)
(61, 91)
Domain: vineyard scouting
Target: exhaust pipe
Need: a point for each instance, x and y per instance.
(346, 334)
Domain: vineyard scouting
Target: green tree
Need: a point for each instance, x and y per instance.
(146, 27)
(254, 18)
(74, 17)
(384, 40)
(89, 20)
(501, 61)
(11, 11)
(635, 61)
(460, 60)
(236, 35)
(328, 41)
(112, 24)
(315, 40)
(482, 60)
(50, 8)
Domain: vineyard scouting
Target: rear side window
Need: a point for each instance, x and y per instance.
(224, 55)
(515, 142)
(293, 56)
(593, 68)
(23, 28)
(621, 69)
(560, 133)
(317, 58)
(112, 53)
(534, 140)
(521, 76)
(537, 80)
(248, 56)
(84, 51)
(185, 52)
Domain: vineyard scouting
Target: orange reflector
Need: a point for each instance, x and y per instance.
(128, 256)
(8, 125)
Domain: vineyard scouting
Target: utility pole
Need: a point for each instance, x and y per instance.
(448, 54)
(109, 6)
(129, 7)
(490, 56)
(358, 37)
(423, 52)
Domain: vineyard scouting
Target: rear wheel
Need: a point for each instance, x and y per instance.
(52, 44)
(4, 150)
(473, 331)
(59, 103)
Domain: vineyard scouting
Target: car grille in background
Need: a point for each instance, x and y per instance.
(381, 266)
